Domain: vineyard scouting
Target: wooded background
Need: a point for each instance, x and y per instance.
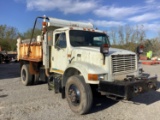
(124, 37)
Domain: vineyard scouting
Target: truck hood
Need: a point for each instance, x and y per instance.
(112, 51)
(91, 56)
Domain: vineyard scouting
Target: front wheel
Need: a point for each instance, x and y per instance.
(78, 94)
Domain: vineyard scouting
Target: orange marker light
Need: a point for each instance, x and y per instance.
(69, 55)
(93, 77)
(44, 23)
(49, 38)
(71, 28)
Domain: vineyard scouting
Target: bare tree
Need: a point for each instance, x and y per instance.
(121, 35)
(128, 33)
(142, 34)
(133, 37)
(159, 35)
(113, 35)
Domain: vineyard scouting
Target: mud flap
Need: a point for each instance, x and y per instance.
(50, 83)
(54, 83)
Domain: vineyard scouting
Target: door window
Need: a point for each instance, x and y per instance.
(61, 40)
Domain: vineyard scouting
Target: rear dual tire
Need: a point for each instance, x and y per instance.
(26, 77)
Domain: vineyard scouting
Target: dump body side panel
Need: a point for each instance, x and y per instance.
(35, 52)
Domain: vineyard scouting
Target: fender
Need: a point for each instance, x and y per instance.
(84, 68)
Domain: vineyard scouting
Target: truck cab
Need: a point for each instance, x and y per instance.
(78, 61)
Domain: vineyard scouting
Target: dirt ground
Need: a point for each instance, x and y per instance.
(18, 102)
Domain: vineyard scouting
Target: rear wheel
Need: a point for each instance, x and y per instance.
(78, 94)
(26, 77)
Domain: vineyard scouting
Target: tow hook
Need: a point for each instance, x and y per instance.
(150, 85)
(138, 89)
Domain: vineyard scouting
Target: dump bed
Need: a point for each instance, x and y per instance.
(29, 52)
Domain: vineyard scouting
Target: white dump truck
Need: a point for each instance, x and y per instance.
(79, 61)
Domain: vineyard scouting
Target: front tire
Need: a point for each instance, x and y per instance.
(26, 77)
(78, 94)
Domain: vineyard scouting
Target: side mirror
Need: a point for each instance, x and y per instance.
(140, 49)
(104, 49)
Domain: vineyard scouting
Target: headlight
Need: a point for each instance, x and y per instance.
(102, 77)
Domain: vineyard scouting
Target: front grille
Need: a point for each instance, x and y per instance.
(123, 63)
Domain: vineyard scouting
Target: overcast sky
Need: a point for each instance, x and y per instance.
(104, 14)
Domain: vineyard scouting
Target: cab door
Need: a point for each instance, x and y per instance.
(59, 53)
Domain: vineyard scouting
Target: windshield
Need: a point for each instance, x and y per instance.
(87, 38)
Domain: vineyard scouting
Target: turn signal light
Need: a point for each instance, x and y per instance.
(93, 77)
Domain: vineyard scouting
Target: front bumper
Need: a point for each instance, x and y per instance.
(128, 89)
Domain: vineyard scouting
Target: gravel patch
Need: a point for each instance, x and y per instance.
(19, 102)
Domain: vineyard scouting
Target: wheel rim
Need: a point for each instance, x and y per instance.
(74, 95)
(23, 75)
